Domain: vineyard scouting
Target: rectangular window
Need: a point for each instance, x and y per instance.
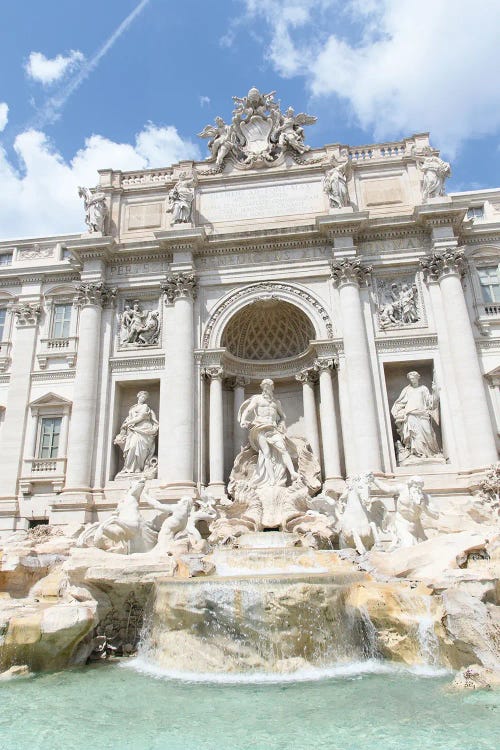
(490, 283)
(3, 314)
(50, 431)
(475, 212)
(61, 321)
(6, 259)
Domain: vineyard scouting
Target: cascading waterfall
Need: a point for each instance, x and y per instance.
(273, 624)
(427, 638)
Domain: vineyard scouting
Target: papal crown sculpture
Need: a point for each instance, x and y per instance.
(259, 134)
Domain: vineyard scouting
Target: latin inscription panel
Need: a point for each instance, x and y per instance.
(262, 202)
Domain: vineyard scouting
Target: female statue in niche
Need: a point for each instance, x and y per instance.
(414, 411)
(137, 436)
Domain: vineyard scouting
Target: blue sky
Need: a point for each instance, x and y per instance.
(88, 84)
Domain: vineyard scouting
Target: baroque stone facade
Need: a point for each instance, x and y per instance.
(344, 274)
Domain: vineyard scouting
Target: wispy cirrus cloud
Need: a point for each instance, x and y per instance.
(47, 70)
(51, 109)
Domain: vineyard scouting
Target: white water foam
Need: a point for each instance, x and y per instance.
(307, 674)
(228, 570)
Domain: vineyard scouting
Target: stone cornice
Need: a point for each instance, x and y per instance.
(442, 213)
(91, 247)
(187, 238)
(406, 343)
(125, 364)
(341, 224)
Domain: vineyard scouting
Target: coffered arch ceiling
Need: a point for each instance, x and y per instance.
(267, 330)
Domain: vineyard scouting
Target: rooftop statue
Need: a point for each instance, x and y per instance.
(435, 172)
(95, 208)
(335, 184)
(259, 132)
(181, 197)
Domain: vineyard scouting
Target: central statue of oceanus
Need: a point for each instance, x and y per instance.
(273, 476)
(263, 416)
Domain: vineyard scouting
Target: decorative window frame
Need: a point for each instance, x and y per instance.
(487, 314)
(45, 470)
(57, 348)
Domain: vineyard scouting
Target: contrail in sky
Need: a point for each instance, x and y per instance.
(51, 110)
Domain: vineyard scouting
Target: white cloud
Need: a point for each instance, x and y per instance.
(50, 111)
(49, 70)
(204, 100)
(413, 65)
(4, 115)
(42, 198)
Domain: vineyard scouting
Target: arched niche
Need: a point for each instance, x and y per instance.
(295, 295)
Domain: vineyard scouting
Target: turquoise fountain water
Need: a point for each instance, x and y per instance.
(360, 707)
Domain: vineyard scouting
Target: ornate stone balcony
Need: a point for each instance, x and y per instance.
(487, 317)
(43, 470)
(57, 348)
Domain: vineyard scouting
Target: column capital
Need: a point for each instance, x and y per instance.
(180, 284)
(213, 373)
(237, 381)
(27, 314)
(443, 263)
(326, 364)
(94, 293)
(308, 375)
(349, 271)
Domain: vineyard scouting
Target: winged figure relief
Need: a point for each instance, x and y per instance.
(290, 131)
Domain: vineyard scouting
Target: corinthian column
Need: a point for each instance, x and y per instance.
(308, 378)
(329, 428)
(216, 430)
(90, 298)
(348, 274)
(180, 290)
(239, 434)
(447, 268)
(13, 428)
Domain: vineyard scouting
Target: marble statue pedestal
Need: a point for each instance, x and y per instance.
(343, 210)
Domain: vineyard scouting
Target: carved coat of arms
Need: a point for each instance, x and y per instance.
(259, 132)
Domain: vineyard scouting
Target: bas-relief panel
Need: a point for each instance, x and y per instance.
(261, 202)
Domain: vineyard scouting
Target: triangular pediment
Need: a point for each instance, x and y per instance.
(51, 399)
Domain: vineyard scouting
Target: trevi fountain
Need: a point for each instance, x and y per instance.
(254, 502)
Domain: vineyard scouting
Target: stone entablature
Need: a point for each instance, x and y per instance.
(358, 297)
